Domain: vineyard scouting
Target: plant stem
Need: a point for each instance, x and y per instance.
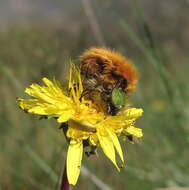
(64, 182)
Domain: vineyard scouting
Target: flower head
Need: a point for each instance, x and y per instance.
(85, 123)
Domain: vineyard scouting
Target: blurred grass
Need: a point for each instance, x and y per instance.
(31, 150)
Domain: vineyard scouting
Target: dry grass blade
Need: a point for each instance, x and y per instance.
(94, 179)
(93, 22)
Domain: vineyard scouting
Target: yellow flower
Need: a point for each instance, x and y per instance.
(85, 123)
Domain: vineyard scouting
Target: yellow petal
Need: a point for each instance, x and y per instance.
(133, 113)
(107, 145)
(93, 139)
(116, 143)
(38, 110)
(76, 134)
(137, 132)
(38, 92)
(78, 125)
(66, 115)
(48, 82)
(27, 104)
(74, 157)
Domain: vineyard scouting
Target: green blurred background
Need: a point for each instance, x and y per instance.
(38, 38)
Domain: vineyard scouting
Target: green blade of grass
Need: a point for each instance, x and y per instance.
(42, 164)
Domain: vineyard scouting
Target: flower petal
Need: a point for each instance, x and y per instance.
(27, 104)
(116, 143)
(107, 145)
(133, 113)
(77, 134)
(65, 116)
(74, 157)
(137, 132)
